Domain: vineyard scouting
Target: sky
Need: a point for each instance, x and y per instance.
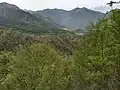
(61, 4)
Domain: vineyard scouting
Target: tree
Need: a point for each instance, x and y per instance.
(97, 60)
(37, 67)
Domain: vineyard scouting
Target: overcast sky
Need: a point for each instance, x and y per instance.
(61, 4)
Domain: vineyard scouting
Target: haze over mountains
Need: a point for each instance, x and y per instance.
(105, 8)
(76, 18)
(48, 19)
(13, 16)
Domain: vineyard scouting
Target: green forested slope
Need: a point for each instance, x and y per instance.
(15, 18)
(95, 64)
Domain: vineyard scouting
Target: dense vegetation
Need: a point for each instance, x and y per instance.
(29, 62)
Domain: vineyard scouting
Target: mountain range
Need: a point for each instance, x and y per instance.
(13, 16)
(47, 19)
(76, 18)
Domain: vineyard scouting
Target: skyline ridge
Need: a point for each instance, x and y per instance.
(51, 8)
(35, 5)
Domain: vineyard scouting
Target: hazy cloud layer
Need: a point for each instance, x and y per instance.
(62, 4)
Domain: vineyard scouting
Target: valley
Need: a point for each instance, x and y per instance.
(56, 49)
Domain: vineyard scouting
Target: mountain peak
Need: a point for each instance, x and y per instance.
(7, 5)
(80, 9)
(85, 8)
(77, 8)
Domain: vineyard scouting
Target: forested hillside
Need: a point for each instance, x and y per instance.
(12, 17)
(62, 60)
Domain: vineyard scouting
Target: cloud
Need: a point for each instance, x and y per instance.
(62, 4)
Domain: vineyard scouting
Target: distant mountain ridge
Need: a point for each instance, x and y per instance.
(76, 18)
(46, 20)
(11, 15)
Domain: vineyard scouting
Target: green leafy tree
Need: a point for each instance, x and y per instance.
(37, 67)
(97, 60)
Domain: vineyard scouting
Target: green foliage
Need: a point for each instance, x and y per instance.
(65, 43)
(37, 67)
(10, 40)
(62, 40)
(97, 60)
(34, 66)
